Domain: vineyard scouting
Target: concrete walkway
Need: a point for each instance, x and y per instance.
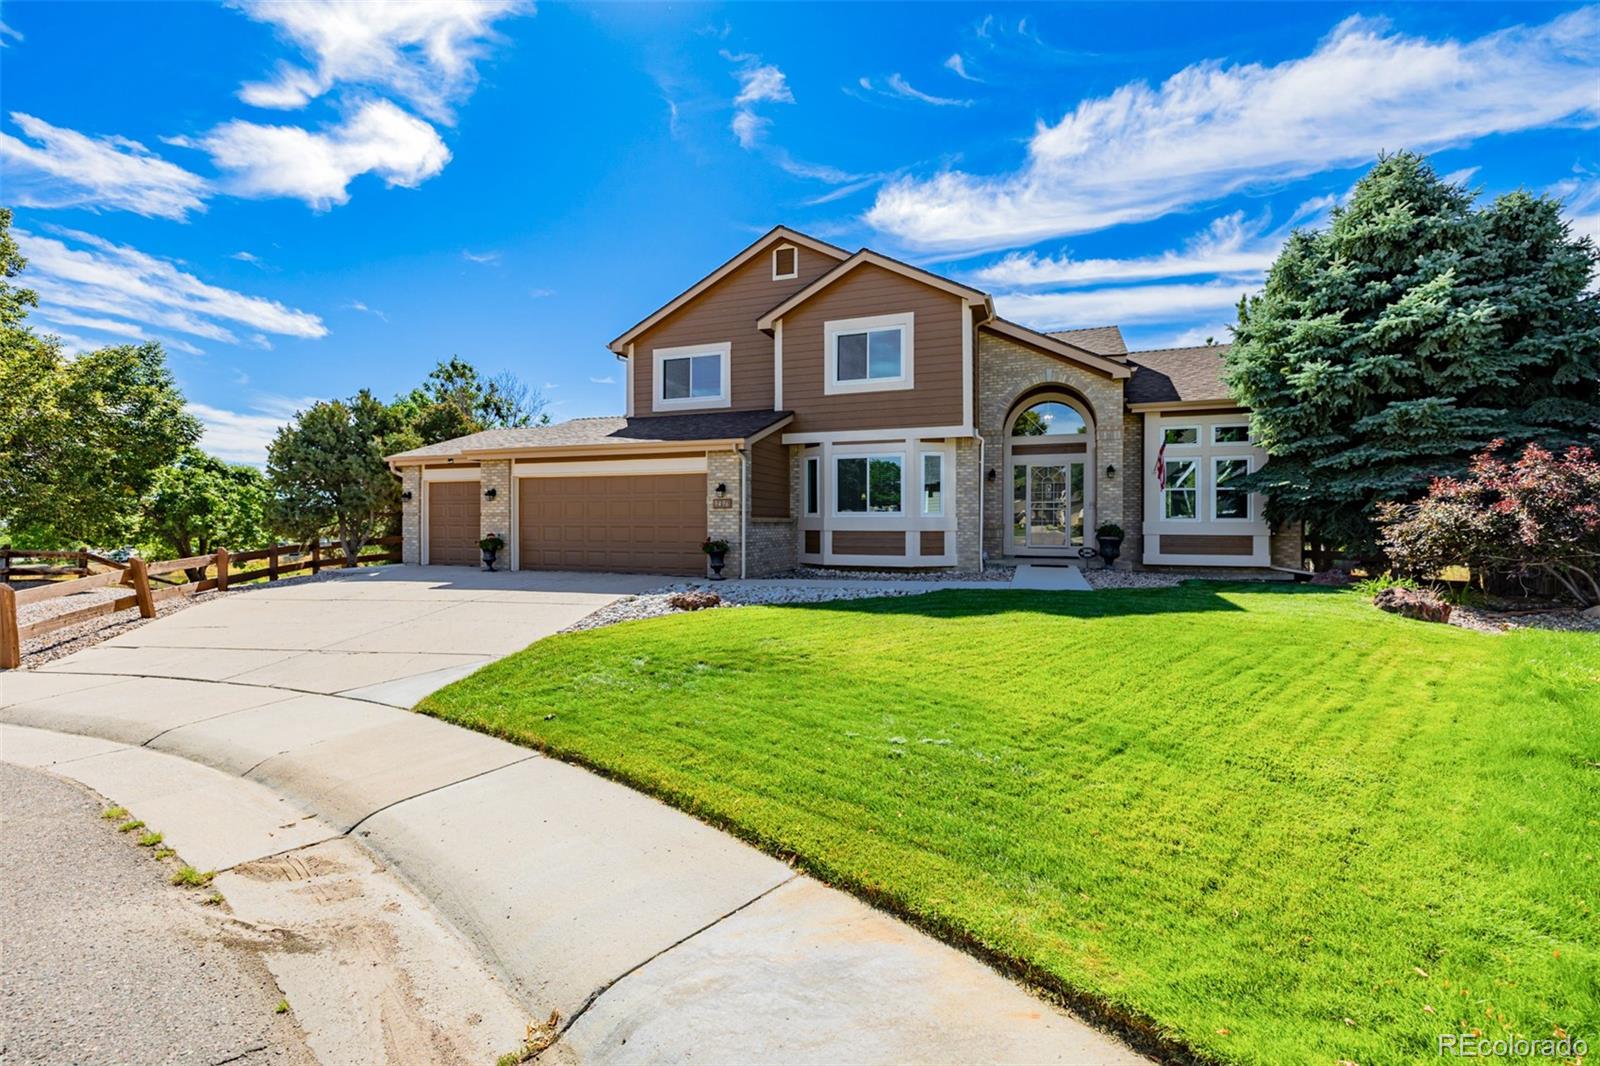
(656, 937)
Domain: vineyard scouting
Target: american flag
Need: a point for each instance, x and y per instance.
(1161, 464)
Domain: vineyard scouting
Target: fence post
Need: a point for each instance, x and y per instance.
(10, 639)
(272, 562)
(5, 562)
(141, 587)
(83, 561)
(222, 569)
(316, 556)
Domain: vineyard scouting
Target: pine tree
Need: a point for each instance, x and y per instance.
(1389, 348)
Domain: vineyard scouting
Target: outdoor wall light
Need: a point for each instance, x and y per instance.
(993, 473)
(1111, 472)
(722, 488)
(489, 494)
(406, 495)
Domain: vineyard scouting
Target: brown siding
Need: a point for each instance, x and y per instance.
(453, 523)
(932, 542)
(1199, 544)
(1064, 448)
(727, 311)
(648, 522)
(813, 542)
(869, 542)
(936, 368)
(769, 478)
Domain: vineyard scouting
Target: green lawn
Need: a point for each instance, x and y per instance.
(1270, 823)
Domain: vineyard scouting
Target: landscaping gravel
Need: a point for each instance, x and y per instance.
(1564, 619)
(656, 603)
(104, 961)
(994, 572)
(1131, 579)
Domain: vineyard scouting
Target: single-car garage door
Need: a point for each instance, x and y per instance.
(650, 522)
(453, 523)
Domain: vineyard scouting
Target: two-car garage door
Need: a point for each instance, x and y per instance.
(649, 522)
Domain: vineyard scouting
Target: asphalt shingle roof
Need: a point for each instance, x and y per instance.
(612, 431)
(1170, 375)
(1101, 340)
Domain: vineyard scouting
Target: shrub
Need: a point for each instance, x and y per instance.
(694, 601)
(1374, 585)
(1537, 514)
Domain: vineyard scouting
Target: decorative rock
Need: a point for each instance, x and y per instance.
(1409, 603)
(1333, 578)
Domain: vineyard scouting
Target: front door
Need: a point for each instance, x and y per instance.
(1048, 504)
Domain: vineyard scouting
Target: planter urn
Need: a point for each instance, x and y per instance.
(1110, 549)
(488, 558)
(718, 561)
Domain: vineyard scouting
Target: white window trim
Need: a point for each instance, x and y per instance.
(1199, 436)
(905, 323)
(692, 403)
(1249, 497)
(922, 484)
(792, 274)
(812, 463)
(1199, 496)
(833, 484)
(1231, 443)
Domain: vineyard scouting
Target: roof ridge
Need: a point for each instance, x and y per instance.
(1180, 348)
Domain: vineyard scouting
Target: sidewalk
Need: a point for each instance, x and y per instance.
(656, 937)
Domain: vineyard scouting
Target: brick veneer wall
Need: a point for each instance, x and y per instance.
(725, 468)
(411, 515)
(494, 516)
(1131, 473)
(968, 485)
(1286, 546)
(773, 547)
(1007, 369)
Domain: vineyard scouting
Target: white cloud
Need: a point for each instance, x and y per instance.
(1460, 177)
(1218, 333)
(607, 380)
(758, 83)
(897, 87)
(1232, 245)
(480, 257)
(317, 167)
(424, 51)
(7, 31)
(1580, 195)
(1212, 129)
(1137, 303)
(246, 257)
(357, 305)
(540, 294)
(79, 274)
(243, 436)
(958, 66)
(71, 169)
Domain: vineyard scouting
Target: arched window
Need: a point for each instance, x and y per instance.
(1049, 419)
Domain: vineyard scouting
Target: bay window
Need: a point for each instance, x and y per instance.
(867, 484)
(933, 483)
(1228, 500)
(1180, 490)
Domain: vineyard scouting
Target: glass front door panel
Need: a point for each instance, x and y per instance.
(1047, 506)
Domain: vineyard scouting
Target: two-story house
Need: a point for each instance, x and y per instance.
(814, 406)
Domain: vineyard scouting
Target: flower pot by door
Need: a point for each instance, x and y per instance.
(488, 559)
(718, 561)
(1110, 549)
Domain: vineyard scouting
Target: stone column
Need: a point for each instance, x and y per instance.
(494, 515)
(411, 515)
(723, 523)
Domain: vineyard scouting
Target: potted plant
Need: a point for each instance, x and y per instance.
(717, 550)
(490, 546)
(1109, 536)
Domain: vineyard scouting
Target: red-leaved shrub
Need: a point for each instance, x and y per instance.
(1537, 514)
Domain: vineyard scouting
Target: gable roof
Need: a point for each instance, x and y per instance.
(605, 433)
(867, 257)
(1178, 375)
(1101, 340)
(1052, 345)
(620, 345)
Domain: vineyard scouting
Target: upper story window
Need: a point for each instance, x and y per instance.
(1049, 419)
(1230, 434)
(785, 262)
(868, 354)
(691, 376)
(1178, 436)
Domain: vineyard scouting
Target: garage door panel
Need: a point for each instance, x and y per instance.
(649, 522)
(453, 523)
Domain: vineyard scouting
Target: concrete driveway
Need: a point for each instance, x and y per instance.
(656, 937)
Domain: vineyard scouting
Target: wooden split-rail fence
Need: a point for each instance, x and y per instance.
(150, 582)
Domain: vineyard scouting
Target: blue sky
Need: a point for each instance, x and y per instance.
(303, 198)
